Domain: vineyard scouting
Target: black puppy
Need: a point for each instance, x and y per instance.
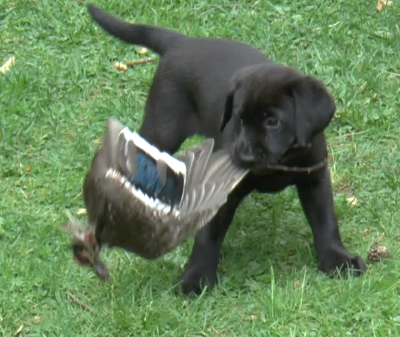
(272, 118)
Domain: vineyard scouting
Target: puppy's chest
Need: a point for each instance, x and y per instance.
(272, 182)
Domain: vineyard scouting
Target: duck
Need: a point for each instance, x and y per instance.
(146, 201)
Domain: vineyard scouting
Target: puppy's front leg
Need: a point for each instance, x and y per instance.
(316, 198)
(203, 263)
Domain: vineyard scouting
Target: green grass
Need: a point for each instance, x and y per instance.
(53, 106)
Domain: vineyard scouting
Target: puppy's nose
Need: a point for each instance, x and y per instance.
(244, 156)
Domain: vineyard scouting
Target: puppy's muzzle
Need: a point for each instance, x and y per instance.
(255, 158)
(244, 156)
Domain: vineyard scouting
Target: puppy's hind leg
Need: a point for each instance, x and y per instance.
(170, 117)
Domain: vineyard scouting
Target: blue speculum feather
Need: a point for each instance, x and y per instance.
(147, 179)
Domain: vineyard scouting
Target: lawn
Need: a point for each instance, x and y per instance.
(53, 106)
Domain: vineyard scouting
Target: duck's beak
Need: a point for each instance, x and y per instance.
(100, 270)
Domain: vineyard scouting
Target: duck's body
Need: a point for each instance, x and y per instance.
(148, 202)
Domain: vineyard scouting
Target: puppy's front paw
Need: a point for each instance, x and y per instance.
(195, 278)
(338, 259)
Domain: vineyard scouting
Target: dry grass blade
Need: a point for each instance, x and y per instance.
(19, 330)
(219, 333)
(79, 302)
(6, 66)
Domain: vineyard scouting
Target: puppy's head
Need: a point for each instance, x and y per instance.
(272, 108)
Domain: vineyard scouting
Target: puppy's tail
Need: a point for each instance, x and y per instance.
(155, 38)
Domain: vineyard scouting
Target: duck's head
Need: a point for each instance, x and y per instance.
(85, 247)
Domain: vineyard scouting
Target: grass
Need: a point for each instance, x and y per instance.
(53, 106)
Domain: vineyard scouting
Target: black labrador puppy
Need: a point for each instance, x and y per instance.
(271, 117)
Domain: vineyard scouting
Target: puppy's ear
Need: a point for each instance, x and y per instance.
(314, 108)
(228, 111)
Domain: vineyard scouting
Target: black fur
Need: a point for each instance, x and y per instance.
(270, 114)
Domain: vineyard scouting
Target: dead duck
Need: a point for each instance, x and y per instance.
(146, 201)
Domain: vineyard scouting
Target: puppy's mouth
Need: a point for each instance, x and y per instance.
(264, 165)
(258, 162)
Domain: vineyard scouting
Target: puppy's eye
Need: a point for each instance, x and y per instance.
(272, 122)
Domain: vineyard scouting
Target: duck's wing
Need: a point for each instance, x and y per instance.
(93, 196)
(111, 145)
(196, 161)
(104, 158)
(155, 173)
(210, 190)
